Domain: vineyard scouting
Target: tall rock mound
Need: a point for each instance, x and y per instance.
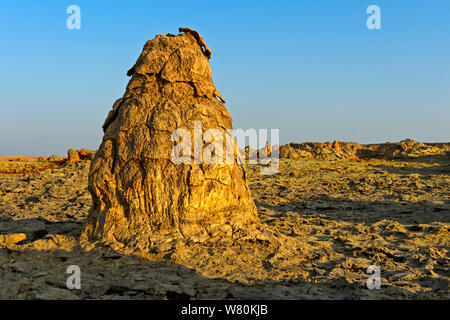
(141, 197)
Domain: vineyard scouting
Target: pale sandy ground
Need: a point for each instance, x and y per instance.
(332, 220)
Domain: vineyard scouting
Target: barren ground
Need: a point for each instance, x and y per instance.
(333, 219)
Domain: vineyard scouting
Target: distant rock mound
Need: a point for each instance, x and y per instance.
(319, 150)
(403, 149)
(141, 198)
(346, 150)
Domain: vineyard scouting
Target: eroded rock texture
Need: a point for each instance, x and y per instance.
(140, 197)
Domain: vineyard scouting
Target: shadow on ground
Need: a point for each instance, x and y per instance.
(36, 269)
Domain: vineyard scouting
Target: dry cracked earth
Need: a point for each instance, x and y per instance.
(332, 219)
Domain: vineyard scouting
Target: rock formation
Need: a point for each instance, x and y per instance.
(141, 197)
(72, 156)
(335, 145)
(54, 158)
(404, 149)
(81, 154)
(347, 150)
(9, 239)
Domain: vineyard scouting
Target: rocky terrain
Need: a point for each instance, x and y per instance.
(326, 216)
(350, 150)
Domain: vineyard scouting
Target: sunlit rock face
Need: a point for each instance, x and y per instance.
(141, 197)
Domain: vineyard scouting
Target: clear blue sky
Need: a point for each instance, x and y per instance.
(310, 68)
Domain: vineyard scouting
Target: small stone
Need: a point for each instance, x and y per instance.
(54, 158)
(83, 153)
(263, 236)
(163, 247)
(86, 154)
(9, 239)
(268, 150)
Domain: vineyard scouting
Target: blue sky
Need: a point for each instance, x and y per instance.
(310, 68)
